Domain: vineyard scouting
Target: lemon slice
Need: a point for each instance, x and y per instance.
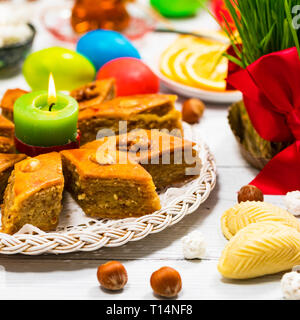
(177, 66)
(168, 56)
(166, 61)
(207, 70)
(196, 62)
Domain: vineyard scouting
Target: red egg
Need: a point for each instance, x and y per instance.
(220, 11)
(132, 76)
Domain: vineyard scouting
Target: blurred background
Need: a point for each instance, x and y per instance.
(154, 28)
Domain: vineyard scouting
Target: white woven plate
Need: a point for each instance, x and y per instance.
(76, 232)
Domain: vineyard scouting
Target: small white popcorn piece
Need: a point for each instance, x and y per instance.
(194, 246)
(292, 202)
(290, 285)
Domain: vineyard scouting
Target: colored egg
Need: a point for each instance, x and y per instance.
(132, 76)
(177, 8)
(70, 69)
(101, 46)
(222, 14)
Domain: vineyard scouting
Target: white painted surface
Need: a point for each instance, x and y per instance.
(74, 276)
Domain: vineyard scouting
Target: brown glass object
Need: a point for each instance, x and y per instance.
(99, 14)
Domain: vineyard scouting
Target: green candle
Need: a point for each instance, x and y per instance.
(39, 124)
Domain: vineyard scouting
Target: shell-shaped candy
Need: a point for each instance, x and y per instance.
(259, 249)
(249, 212)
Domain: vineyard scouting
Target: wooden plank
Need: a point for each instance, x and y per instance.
(77, 280)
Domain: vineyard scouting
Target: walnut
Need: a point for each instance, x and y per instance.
(87, 92)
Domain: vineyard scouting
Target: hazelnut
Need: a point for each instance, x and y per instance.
(112, 275)
(166, 282)
(192, 110)
(250, 193)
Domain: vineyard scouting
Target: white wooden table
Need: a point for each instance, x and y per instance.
(74, 276)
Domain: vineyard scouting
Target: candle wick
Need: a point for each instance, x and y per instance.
(51, 105)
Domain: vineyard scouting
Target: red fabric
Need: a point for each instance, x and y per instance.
(271, 90)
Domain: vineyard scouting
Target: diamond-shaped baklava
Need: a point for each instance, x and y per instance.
(149, 111)
(33, 194)
(94, 93)
(7, 128)
(7, 145)
(167, 158)
(7, 162)
(108, 189)
(8, 101)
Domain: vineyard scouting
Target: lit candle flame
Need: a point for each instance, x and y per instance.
(51, 90)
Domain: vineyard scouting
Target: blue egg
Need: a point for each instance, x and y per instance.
(101, 46)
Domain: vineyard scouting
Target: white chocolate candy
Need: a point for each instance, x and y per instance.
(194, 246)
(292, 202)
(290, 285)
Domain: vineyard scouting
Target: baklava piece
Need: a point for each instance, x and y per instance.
(7, 128)
(168, 159)
(7, 145)
(105, 188)
(94, 93)
(33, 194)
(149, 111)
(8, 101)
(7, 162)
